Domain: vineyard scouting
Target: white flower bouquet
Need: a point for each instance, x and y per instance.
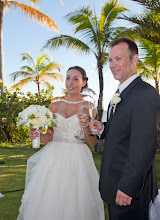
(36, 116)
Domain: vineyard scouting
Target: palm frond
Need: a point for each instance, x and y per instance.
(16, 74)
(145, 71)
(83, 94)
(6, 4)
(68, 42)
(55, 76)
(109, 13)
(28, 69)
(20, 84)
(58, 98)
(27, 57)
(150, 4)
(146, 26)
(34, 1)
(89, 90)
(84, 22)
(50, 67)
(105, 56)
(47, 84)
(42, 59)
(34, 14)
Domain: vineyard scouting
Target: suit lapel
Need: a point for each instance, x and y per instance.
(129, 87)
(122, 95)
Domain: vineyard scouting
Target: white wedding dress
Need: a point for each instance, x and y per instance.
(154, 208)
(61, 179)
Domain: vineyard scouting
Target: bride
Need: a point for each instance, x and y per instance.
(61, 178)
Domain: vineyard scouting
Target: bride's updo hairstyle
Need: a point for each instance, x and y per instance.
(83, 73)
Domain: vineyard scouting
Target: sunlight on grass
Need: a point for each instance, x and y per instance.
(15, 156)
(6, 175)
(4, 166)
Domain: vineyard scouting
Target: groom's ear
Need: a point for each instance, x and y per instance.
(135, 59)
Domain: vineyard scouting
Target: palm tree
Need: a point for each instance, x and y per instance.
(150, 4)
(95, 32)
(149, 67)
(31, 12)
(38, 72)
(146, 25)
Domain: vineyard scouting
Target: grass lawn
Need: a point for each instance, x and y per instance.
(12, 177)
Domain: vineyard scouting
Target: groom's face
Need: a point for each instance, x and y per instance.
(122, 65)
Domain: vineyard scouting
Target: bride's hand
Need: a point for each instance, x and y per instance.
(33, 133)
(84, 120)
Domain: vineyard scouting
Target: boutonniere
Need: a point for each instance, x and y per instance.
(115, 100)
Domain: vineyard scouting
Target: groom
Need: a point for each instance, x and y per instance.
(127, 177)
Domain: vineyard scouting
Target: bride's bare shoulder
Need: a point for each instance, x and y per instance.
(53, 107)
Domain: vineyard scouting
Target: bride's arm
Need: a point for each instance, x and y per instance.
(48, 136)
(92, 140)
(44, 138)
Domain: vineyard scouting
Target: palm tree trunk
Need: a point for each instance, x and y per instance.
(99, 146)
(38, 88)
(157, 84)
(1, 42)
(157, 88)
(100, 99)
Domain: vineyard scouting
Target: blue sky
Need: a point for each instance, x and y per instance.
(24, 35)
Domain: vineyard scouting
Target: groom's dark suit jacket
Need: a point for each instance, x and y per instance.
(130, 146)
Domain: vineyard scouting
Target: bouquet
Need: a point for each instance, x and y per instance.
(36, 116)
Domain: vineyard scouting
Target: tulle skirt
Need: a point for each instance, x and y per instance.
(154, 208)
(61, 184)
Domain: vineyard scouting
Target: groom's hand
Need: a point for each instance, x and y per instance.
(96, 125)
(123, 199)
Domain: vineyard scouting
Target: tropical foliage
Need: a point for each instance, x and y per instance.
(149, 66)
(95, 33)
(147, 24)
(13, 103)
(31, 12)
(38, 72)
(150, 4)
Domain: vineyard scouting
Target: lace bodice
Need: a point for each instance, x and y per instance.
(66, 129)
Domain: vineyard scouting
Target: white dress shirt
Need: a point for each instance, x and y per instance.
(126, 83)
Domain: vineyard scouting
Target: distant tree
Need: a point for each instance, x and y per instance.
(149, 66)
(38, 72)
(150, 4)
(13, 103)
(145, 25)
(32, 13)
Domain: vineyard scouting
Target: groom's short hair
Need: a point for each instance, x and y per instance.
(132, 46)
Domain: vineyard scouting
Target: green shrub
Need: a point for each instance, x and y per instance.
(13, 103)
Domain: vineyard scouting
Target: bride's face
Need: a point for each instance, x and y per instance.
(74, 82)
